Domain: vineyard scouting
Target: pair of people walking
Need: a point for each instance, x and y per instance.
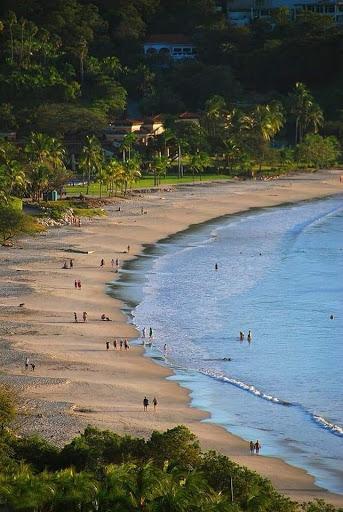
(84, 316)
(255, 447)
(77, 284)
(146, 403)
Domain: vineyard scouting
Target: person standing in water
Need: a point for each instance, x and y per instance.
(216, 266)
(143, 332)
(241, 335)
(249, 336)
(150, 332)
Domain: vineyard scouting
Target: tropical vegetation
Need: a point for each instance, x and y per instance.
(101, 471)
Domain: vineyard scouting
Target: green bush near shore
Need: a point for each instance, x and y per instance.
(102, 471)
(14, 222)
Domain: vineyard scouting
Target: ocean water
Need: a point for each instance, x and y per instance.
(280, 274)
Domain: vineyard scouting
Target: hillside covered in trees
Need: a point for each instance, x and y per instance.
(267, 97)
(67, 65)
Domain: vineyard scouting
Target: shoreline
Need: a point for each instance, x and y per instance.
(88, 378)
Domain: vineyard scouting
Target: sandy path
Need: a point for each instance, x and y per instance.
(72, 364)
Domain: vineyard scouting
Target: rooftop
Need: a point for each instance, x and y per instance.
(169, 38)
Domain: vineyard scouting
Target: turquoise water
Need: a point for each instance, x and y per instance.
(280, 275)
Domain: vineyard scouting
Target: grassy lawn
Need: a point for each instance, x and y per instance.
(144, 182)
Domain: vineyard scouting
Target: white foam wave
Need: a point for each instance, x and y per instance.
(243, 385)
(335, 429)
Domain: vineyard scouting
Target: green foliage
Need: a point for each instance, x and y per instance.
(102, 471)
(177, 446)
(35, 450)
(318, 151)
(8, 398)
(12, 222)
(94, 448)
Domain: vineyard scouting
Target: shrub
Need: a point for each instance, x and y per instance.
(8, 404)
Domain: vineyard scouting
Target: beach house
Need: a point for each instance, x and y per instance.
(173, 46)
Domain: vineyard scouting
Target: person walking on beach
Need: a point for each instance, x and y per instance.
(102, 262)
(84, 316)
(75, 283)
(257, 447)
(107, 345)
(79, 284)
(121, 344)
(155, 403)
(75, 317)
(252, 447)
(71, 263)
(33, 366)
(27, 361)
(145, 403)
(112, 262)
(115, 344)
(128, 248)
(143, 332)
(249, 338)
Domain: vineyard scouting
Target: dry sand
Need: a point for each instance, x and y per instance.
(76, 381)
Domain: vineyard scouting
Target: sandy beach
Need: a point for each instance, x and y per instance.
(76, 380)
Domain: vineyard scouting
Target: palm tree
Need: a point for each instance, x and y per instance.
(315, 118)
(91, 161)
(14, 177)
(114, 175)
(128, 141)
(12, 21)
(198, 162)
(159, 165)
(74, 491)
(45, 158)
(214, 113)
(305, 110)
(82, 50)
(268, 120)
(28, 492)
(131, 173)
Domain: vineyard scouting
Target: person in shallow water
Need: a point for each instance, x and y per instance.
(241, 335)
(249, 337)
(216, 266)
